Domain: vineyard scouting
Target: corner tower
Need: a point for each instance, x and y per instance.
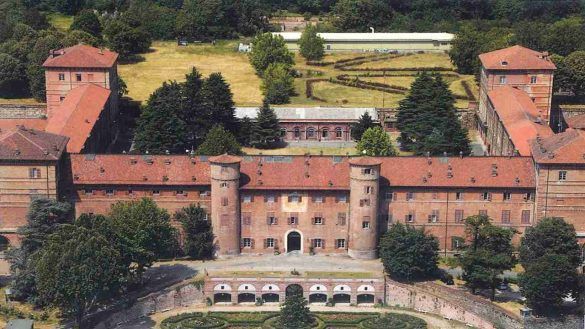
(364, 185)
(225, 203)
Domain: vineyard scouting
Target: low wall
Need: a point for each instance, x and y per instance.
(179, 295)
(570, 322)
(23, 111)
(451, 304)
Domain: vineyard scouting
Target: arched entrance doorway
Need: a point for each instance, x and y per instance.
(293, 241)
(293, 289)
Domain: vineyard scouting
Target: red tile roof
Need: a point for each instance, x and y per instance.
(82, 56)
(365, 161)
(516, 58)
(305, 173)
(577, 122)
(479, 172)
(29, 144)
(520, 117)
(563, 148)
(124, 169)
(225, 158)
(77, 115)
(11, 124)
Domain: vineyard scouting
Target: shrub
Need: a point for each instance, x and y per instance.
(394, 320)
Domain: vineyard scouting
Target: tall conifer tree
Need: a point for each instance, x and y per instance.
(267, 131)
(219, 103)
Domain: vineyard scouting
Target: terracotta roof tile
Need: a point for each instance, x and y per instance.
(77, 115)
(29, 144)
(520, 117)
(82, 56)
(577, 122)
(11, 124)
(365, 161)
(225, 158)
(564, 148)
(126, 169)
(516, 58)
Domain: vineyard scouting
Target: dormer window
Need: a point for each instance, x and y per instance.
(504, 63)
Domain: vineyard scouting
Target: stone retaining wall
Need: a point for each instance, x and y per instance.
(180, 295)
(23, 111)
(451, 304)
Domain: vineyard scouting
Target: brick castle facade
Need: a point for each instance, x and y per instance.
(322, 204)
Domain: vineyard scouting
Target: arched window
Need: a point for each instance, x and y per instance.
(282, 132)
(297, 132)
(325, 133)
(338, 133)
(311, 133)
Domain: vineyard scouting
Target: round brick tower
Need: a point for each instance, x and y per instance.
(225, 203)
(364, 174)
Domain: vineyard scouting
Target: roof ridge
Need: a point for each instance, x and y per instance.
(33, 143)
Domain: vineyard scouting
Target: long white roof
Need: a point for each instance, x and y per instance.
(311, 113)
(295, 36)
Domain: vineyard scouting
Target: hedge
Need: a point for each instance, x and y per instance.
(468, 91)
(193, 320)
(309, 89)
(367, 86)
(391, 69)
(394, 321)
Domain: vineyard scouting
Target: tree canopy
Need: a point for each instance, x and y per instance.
(359, 128)
(409, 253)
(87, 21)
(197, 232)
(295, 313)
(277, 84)
(311, 46)
(219, 141)
(269, 49)
(376, 142)
(266, 132)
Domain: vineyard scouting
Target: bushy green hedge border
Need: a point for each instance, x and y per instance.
(172, 322)
(394, 321)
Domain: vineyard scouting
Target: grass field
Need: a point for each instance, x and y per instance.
(167, 61)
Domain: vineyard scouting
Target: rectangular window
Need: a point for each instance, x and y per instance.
(364, 202)
(367, 171)
(341, 218)
(77, 76)
(224, 201)
(368, 190)
(61, 76)
(340, 243)
(434, 216)
(205, 193)
(318, 243)
(458, 215)
(388, 195)
(247, 242)
(318, 199)
(247, 199)
(270, 243)
(459, 196)
(294, 197)
(224, 185)
(528, 197)
(109, 192)
(502, 79)
(505, 216)
(61, 98)
(318, 219)
(180, 192)
(483, 213)
(87, 191)
(293, 219)
(341, 198)
(486, 196)
(525, 217)
(533, 79)
(562, 175)
(409, 196)
(366, 223)
(156, 192)
(410, 218)
(270, 198)
(507, 196)
(34, 173)
(271, 219)
(246, 218)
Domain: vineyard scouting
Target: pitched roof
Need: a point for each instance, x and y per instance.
(516, 58)
(577, 122)
(311, 113)
(305, 172)
(380, 37)
(520, 117)
(104, 169)
(365, 161)
(77, 115)
(30, 144)
(81, 56)
(564, 148)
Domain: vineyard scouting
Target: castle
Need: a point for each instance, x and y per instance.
(320, 204)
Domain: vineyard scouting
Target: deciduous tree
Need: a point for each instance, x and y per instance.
(376, 142)
(359, 128)
(87, 21)
(269, 49)
(12, 78)
(219, 141)
(409, 253)
(277, 84)
(360, 15)
(311, 45)
(197, 232)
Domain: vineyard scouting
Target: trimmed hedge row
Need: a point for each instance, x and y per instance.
(394, 321)
(345, 77)
(367, 86)
(468, 91)
(193, 320)
(309, 89)
(319, 63)
(391, 69)
(349, 64)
